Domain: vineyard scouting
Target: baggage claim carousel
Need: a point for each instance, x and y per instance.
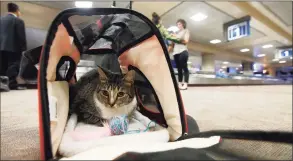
(203, 78)
(199, 78)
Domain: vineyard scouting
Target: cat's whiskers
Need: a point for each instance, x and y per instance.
(101, 98)
(108, 113)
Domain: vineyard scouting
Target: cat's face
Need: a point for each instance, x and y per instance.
(115, 91)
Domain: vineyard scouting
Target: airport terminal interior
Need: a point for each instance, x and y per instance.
(239, 63)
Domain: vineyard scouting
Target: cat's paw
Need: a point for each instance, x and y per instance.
(105, 123)
(71, 123)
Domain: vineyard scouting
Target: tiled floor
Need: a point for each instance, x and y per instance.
(243, 107)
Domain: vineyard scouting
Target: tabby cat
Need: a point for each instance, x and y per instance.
(100, 94)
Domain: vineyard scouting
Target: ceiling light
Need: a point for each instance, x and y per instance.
(215, 41)
(244, 50)
(173, 29)
(283, 61)
(261, 55)
(225, 62)
(275, 59)
(291, 57)
(198, 17)
(83, 4)
(224, 66)
(267, 46)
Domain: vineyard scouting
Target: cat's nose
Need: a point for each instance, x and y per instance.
(112, 101)
(112, 104)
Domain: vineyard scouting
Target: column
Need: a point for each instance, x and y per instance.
(208, 62)
(247, 68)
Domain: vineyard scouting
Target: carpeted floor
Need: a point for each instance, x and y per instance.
(19, 125)
(240, 107)
(246, 107)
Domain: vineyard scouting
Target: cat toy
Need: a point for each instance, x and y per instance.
(119, 125)
(139, 131)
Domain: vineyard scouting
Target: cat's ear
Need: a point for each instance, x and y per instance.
(102, 75)
(129, 77)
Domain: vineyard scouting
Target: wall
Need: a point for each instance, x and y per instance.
(34, 16)
(37, 20)
(208, 62)
(35, 37)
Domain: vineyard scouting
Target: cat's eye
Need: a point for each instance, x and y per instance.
(105, 93)
(120, 94)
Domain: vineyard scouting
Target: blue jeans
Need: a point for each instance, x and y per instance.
(166, 42)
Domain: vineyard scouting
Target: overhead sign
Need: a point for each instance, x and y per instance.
(286, 53)
(283, 53)
(237, 29)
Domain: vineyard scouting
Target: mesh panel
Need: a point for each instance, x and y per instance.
(147, 100)
(115, 32)
(108, 31)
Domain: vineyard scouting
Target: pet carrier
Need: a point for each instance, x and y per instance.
(119, 40)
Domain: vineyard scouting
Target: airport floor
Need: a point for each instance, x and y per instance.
(234, 107)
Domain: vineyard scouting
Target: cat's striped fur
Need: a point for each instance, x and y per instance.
(99, 95)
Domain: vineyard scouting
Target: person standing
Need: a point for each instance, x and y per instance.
(12, 44)
(180, 53)
(156, 19)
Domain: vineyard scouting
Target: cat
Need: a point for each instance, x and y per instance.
(100, 95)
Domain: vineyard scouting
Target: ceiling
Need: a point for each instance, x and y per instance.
(275, 28)
(70, 4)
(258, 49)
(203, 31)
(221, 12)
(281, 9)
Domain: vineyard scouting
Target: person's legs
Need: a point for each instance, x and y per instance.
(183, 61)
(178, 65)
(3, 62)
(24, 62)
(13, 69)
(4, 80)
